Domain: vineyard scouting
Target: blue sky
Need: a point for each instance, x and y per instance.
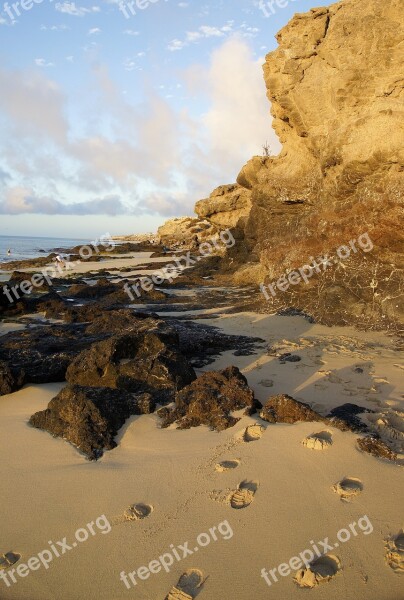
(109, 123)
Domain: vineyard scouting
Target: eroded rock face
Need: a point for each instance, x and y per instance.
(336, 89)
(227, 207)
(210, 399)
(184, 230)
(146, 360)
(87, 417)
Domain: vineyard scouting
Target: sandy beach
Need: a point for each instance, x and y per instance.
(266, 496)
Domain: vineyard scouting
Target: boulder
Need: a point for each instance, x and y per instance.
(142, 361)
(227, 206)
(210, 399)
(11, 380)
(285, 409)
(88, 418)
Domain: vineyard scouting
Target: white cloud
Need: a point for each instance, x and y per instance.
(94, 31)
(54, 28)
(154, 157)
(70, 8)
(43, 114)
(203, 32)
(19, 200)
(41, 62)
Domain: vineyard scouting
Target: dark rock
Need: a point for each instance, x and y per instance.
(376, 447)
(288, 357)
(87, 417)
(101, 289)
(147, 360)
(201, 343)
(210, 399)
(146, 404)
(10, 379)
(347, 413)
(285, 409)
(40, 354)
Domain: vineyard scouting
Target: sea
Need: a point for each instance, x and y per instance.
(32, 247)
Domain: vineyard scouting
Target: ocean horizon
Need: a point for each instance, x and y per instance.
(24, 247)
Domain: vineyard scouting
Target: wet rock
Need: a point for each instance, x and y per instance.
(40, 354)
(285, 409)
(101, 289)
(376, 447)
(210, 399)
(89, 418)
(143, 361)
(203, 343)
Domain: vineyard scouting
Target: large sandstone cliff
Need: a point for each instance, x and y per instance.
(336, 88)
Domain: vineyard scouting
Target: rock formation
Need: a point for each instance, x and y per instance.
(184, 230)
(336, 89)
(139, 361)
(89, 418)
(227, 207)
(210, 399)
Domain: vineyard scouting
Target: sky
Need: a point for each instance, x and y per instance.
(116, 116)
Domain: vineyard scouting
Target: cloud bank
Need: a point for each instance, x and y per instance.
(154, 157)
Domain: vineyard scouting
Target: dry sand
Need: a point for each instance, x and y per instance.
(276, 493)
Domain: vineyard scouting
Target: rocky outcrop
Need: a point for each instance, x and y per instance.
(336, 90)
(183, 231)
(227, 207)
(87, 417)
(285, 409)
(210, 399)
(147, 360)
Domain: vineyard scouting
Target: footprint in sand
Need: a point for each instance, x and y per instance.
(319, 571)
(395, 552)
(9, 559)
(188, 586)
(253, 433)
(136, 512)
(266, 383)
(226, 465)
(244, 494)
(348, 488)
(318, 441)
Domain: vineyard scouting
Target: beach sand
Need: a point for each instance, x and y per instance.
(276, 495)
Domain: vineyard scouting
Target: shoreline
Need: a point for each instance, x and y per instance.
(178, 473)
